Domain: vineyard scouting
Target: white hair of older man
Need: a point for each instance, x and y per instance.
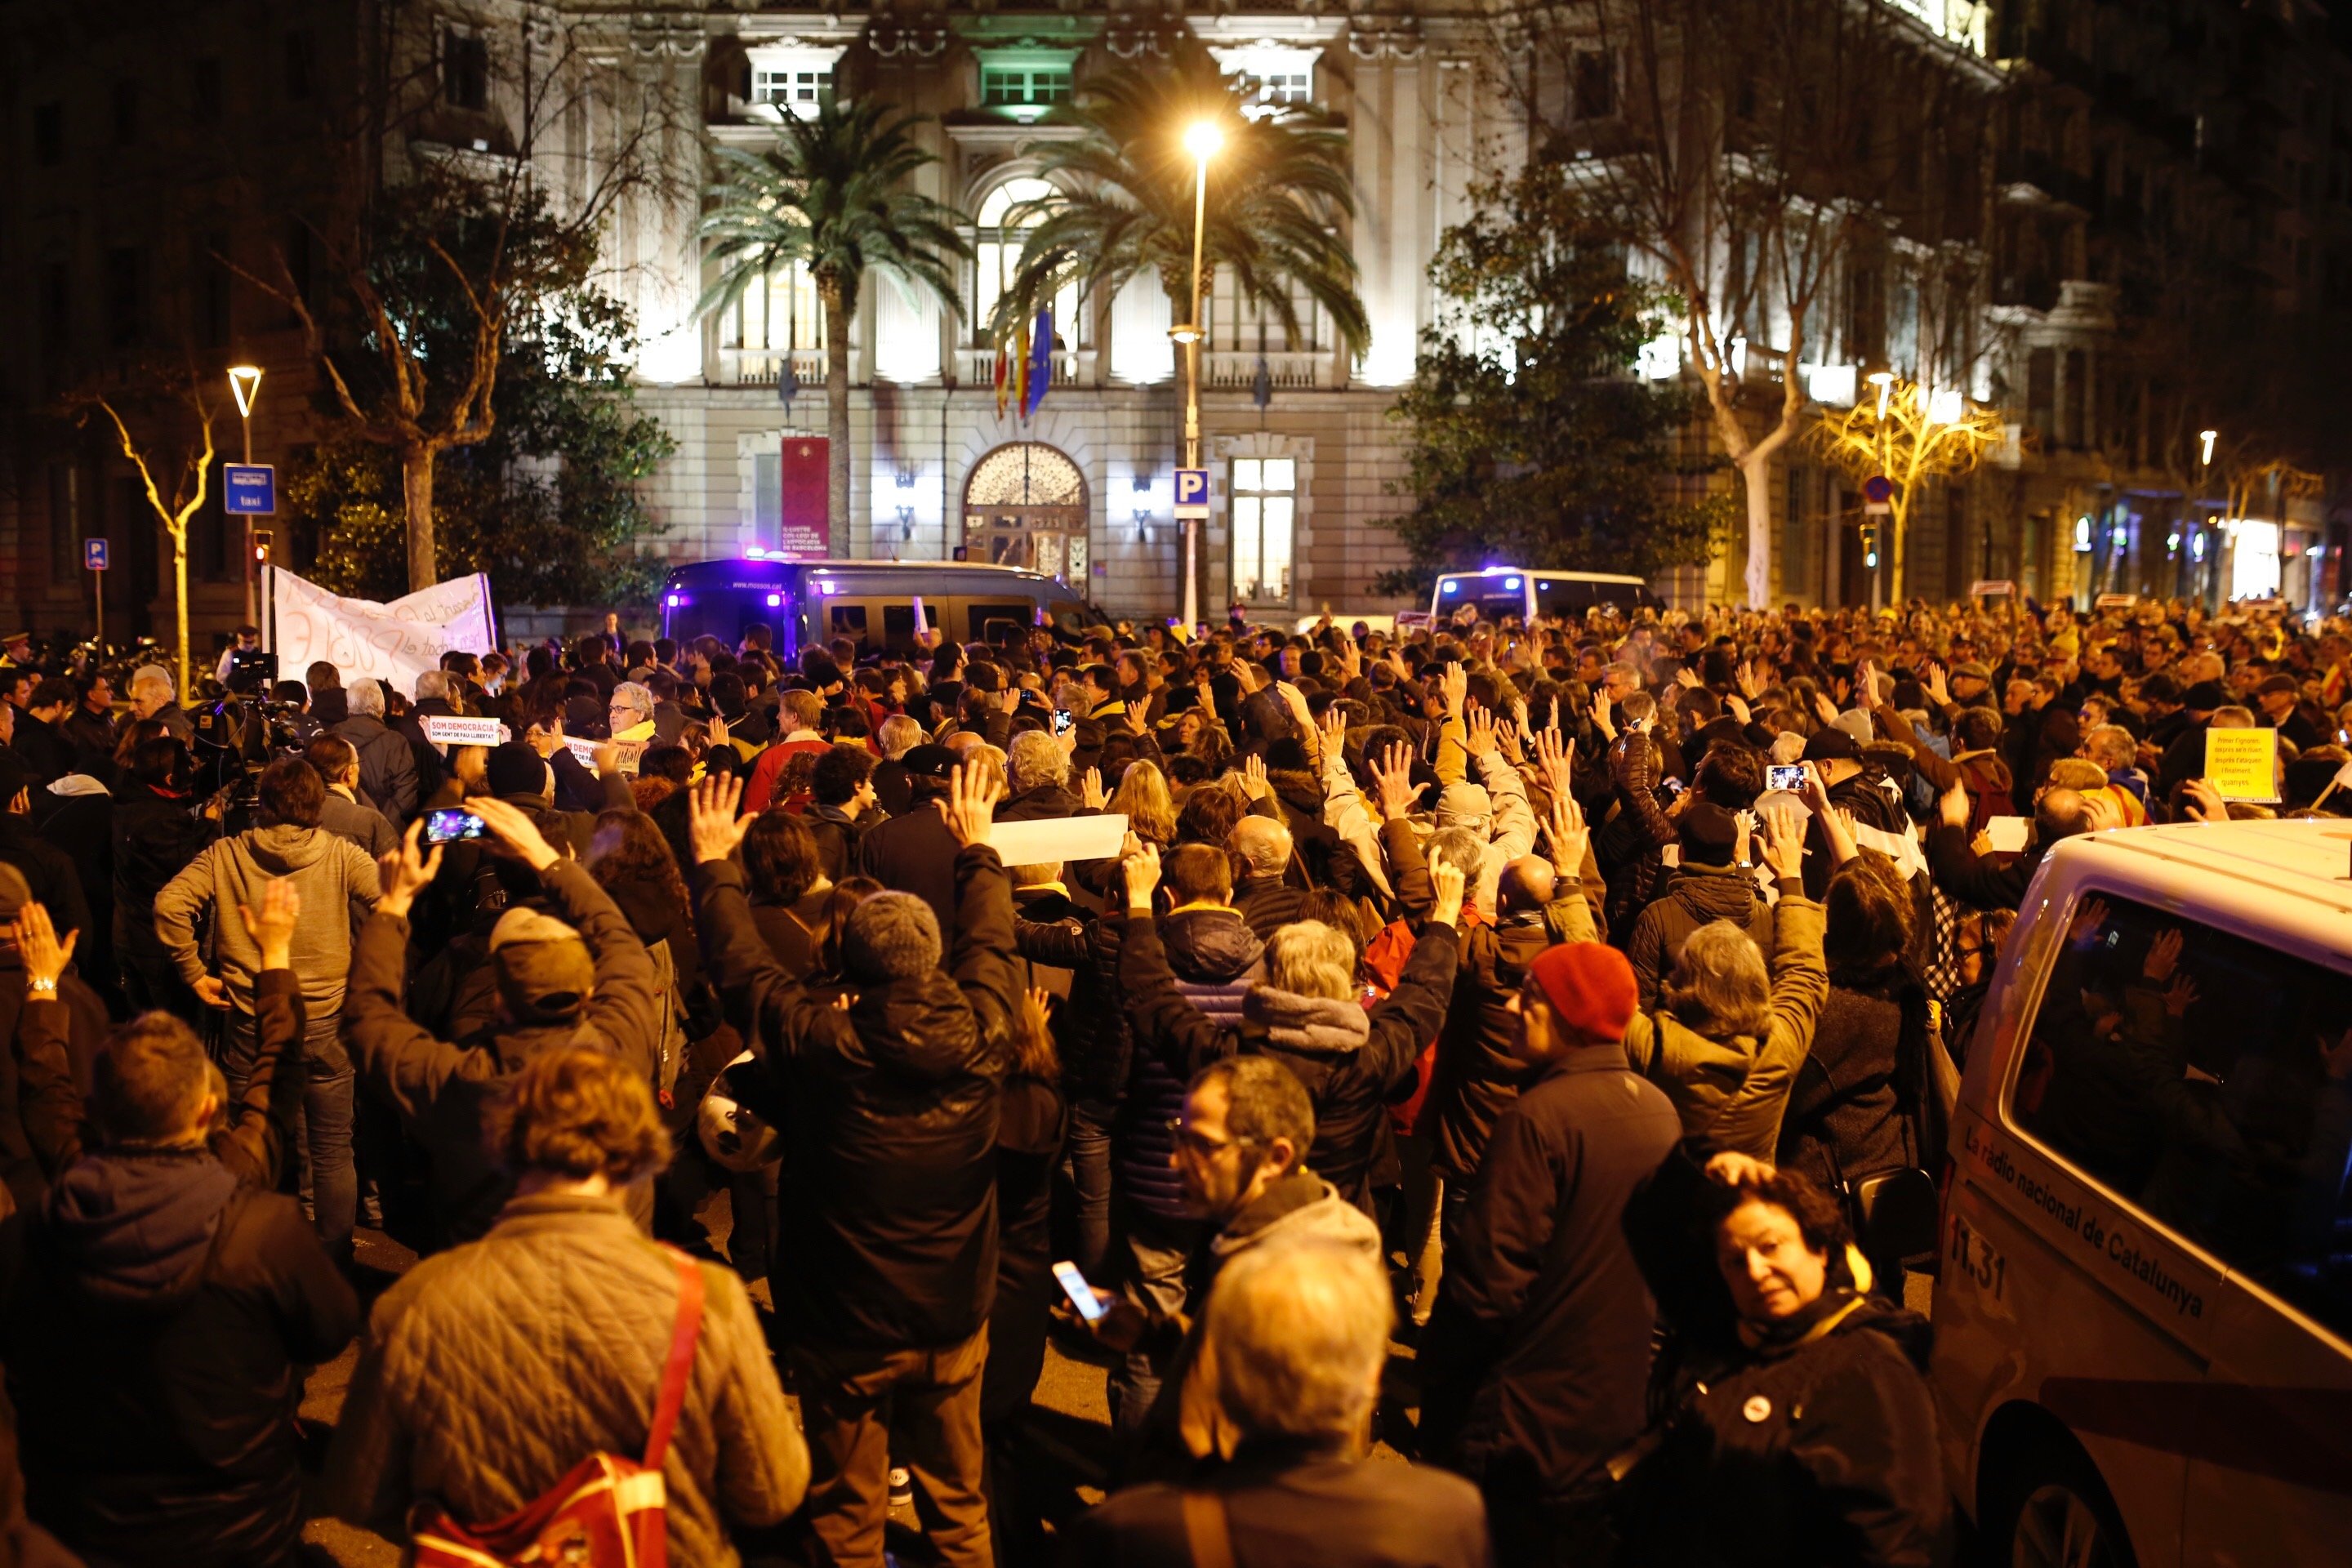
(432, 683)
(897, 736)
(635, 695)
(1296, 1335)
(365, 698)
(1262, 844)
(1037, 759)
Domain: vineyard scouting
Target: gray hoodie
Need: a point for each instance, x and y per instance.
(337, 883)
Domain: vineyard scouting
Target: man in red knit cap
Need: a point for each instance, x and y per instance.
(1536, 1361)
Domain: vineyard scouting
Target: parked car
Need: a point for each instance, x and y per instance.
(2144, 1316)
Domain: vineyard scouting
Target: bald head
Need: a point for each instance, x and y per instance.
(962, 742)
(1528, 883)
(1262, 844)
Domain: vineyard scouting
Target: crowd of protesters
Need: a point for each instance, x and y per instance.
(1475, 1046)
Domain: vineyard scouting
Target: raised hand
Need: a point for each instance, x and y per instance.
(1446, 883)
(1557, 758)
(971, 806)
(711, 824)
(2203, 801)
(1952, 806)
(2163, 955)
(1600, 715)
(43, 955)
(514, 829)
(1090, 786)
(407, 872)
(1335, 728)
(1140, 866)
(272, 926)
(1687, 678)
(2088, 921)
(1569, 835)
(1737, 709)
(1453, 689)
(1479, 733)
(1392, 779)
(1784, 845)
(1750, 685)
(2180, 996)
(1825, 708)
(1939, 684)
(1253, 777)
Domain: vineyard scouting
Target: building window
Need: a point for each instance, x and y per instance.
(1270, 78)
(779, 313)
(1593, 79)
(797, 87)
(1265, 506)
(1005, 214)
(48, 134)
(300, 56)
(125, 296)
(204, 88)
(465, 69)
(1023, 91)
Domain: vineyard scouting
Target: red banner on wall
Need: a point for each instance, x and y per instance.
(805, 530)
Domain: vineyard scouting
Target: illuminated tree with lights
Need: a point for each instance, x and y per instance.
(173, 456)
(1912, 435)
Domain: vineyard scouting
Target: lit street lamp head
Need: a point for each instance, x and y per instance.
(244, 380)
(1203, 140)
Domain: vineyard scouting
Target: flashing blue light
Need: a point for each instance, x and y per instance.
(753, 552)
(676, 600)
(1490, 571)
(1510, 582)
(1449, 587)
(774, 600)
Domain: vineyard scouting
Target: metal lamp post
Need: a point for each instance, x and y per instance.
(1884, 380)
(1201, 139)
(244, 384)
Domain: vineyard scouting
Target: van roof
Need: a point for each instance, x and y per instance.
(1551, 572)
(2305, 859)
(843, 564)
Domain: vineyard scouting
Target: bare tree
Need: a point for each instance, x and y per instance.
(416, 269)
(1912, 435)
(1750, 151)
(173, 453)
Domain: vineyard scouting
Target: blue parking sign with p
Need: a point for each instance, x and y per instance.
(248, 489)
(1192, 490)
(93, 554)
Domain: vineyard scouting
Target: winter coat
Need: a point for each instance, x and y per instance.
(1982, 882)
(490, 1370)
(1732, 1090)
(1821, 1452)
(1476, 1076)
(1292, 1504)
(337, 883)
(1267, 902)
(1042, 803)
(894, 1108)
(837, 834)
(1695, 896)
(442, 1090)
(1845, 1116)
(387, 766)
(1215, 961)
(42, 748)
(914, 854)
(92, 737)
(1091, 1033)
(1350, 1061)
(1538, 1353)
(157, 1351)
(359, 821)
(82, 825)
(78, 1025)
(48, 871)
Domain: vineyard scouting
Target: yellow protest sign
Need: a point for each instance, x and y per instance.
(2242, 764)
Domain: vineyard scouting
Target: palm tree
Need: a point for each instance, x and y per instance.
(832, 194)
(1123, 205)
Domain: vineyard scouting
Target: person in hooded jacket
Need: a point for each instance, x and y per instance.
(573, 974)
(339, 884)
(173, 1299)
(1712, 883)
(895, 1092)
(1307, 1013)
(159, 827)
(1802, 1429)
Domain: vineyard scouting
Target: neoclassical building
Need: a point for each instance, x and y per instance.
(1296, 436)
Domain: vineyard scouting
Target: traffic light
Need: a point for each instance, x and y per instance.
(261, 542)
(1870, 545)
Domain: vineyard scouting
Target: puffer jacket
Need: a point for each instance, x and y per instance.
(1215, 961)
(1820, 1449)
(442, 1089)
(491, 1370)
(1695, 896)
(894, 1110)
(339, 886)
(1845, 1116)
(1733, 1091)
(1350, 1061)
(156, 1354)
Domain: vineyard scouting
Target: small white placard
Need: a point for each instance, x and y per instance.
(1064, 838)
(451, 730)
(584, 749)
(2007, 834)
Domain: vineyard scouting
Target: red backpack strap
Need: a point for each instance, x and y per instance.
(680, 1365)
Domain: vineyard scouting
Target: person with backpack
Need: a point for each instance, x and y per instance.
(565, 1342)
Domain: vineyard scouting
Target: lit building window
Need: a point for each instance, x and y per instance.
(791, 87)
(1265, 508)
(1270, 75)
(1024, 92)
(779, 311)
(792, 78)
(1005, 214)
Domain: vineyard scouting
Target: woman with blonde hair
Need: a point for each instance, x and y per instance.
(1142, 795)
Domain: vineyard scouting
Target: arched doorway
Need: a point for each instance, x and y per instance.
(1024, 504)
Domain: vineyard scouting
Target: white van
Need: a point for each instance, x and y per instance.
(2144, 1317)
(1500, 591)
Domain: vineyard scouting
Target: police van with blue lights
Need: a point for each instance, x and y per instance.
(1500, 591)
(871, 602)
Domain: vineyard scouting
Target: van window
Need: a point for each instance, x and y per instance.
(977, 615)
(848, 621)
(2208, 1081)
(1563, 596)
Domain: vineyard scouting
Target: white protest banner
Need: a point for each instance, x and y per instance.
(449, 730)
(1060, 838)
(395, 642)
(584, 749)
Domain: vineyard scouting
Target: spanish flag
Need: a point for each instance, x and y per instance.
(1003, 378)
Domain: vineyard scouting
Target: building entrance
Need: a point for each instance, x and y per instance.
(1024, 504)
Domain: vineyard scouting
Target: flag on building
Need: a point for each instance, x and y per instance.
(1003, 378)
(1019, 373)
(1041, 362)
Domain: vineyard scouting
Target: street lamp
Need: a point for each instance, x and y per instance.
(2205, 439)
(244, 384)
(1884, 380)
(1202, 138)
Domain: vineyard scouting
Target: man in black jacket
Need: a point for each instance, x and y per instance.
(915, 853)
(1981, 881)
(1537, 1360)
(41, 738)
(155, 1354)
(894, 1093)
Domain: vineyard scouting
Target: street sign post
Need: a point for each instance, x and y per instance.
(1878, 488)
(93, 556)
(1192, 494)
(249, 490)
